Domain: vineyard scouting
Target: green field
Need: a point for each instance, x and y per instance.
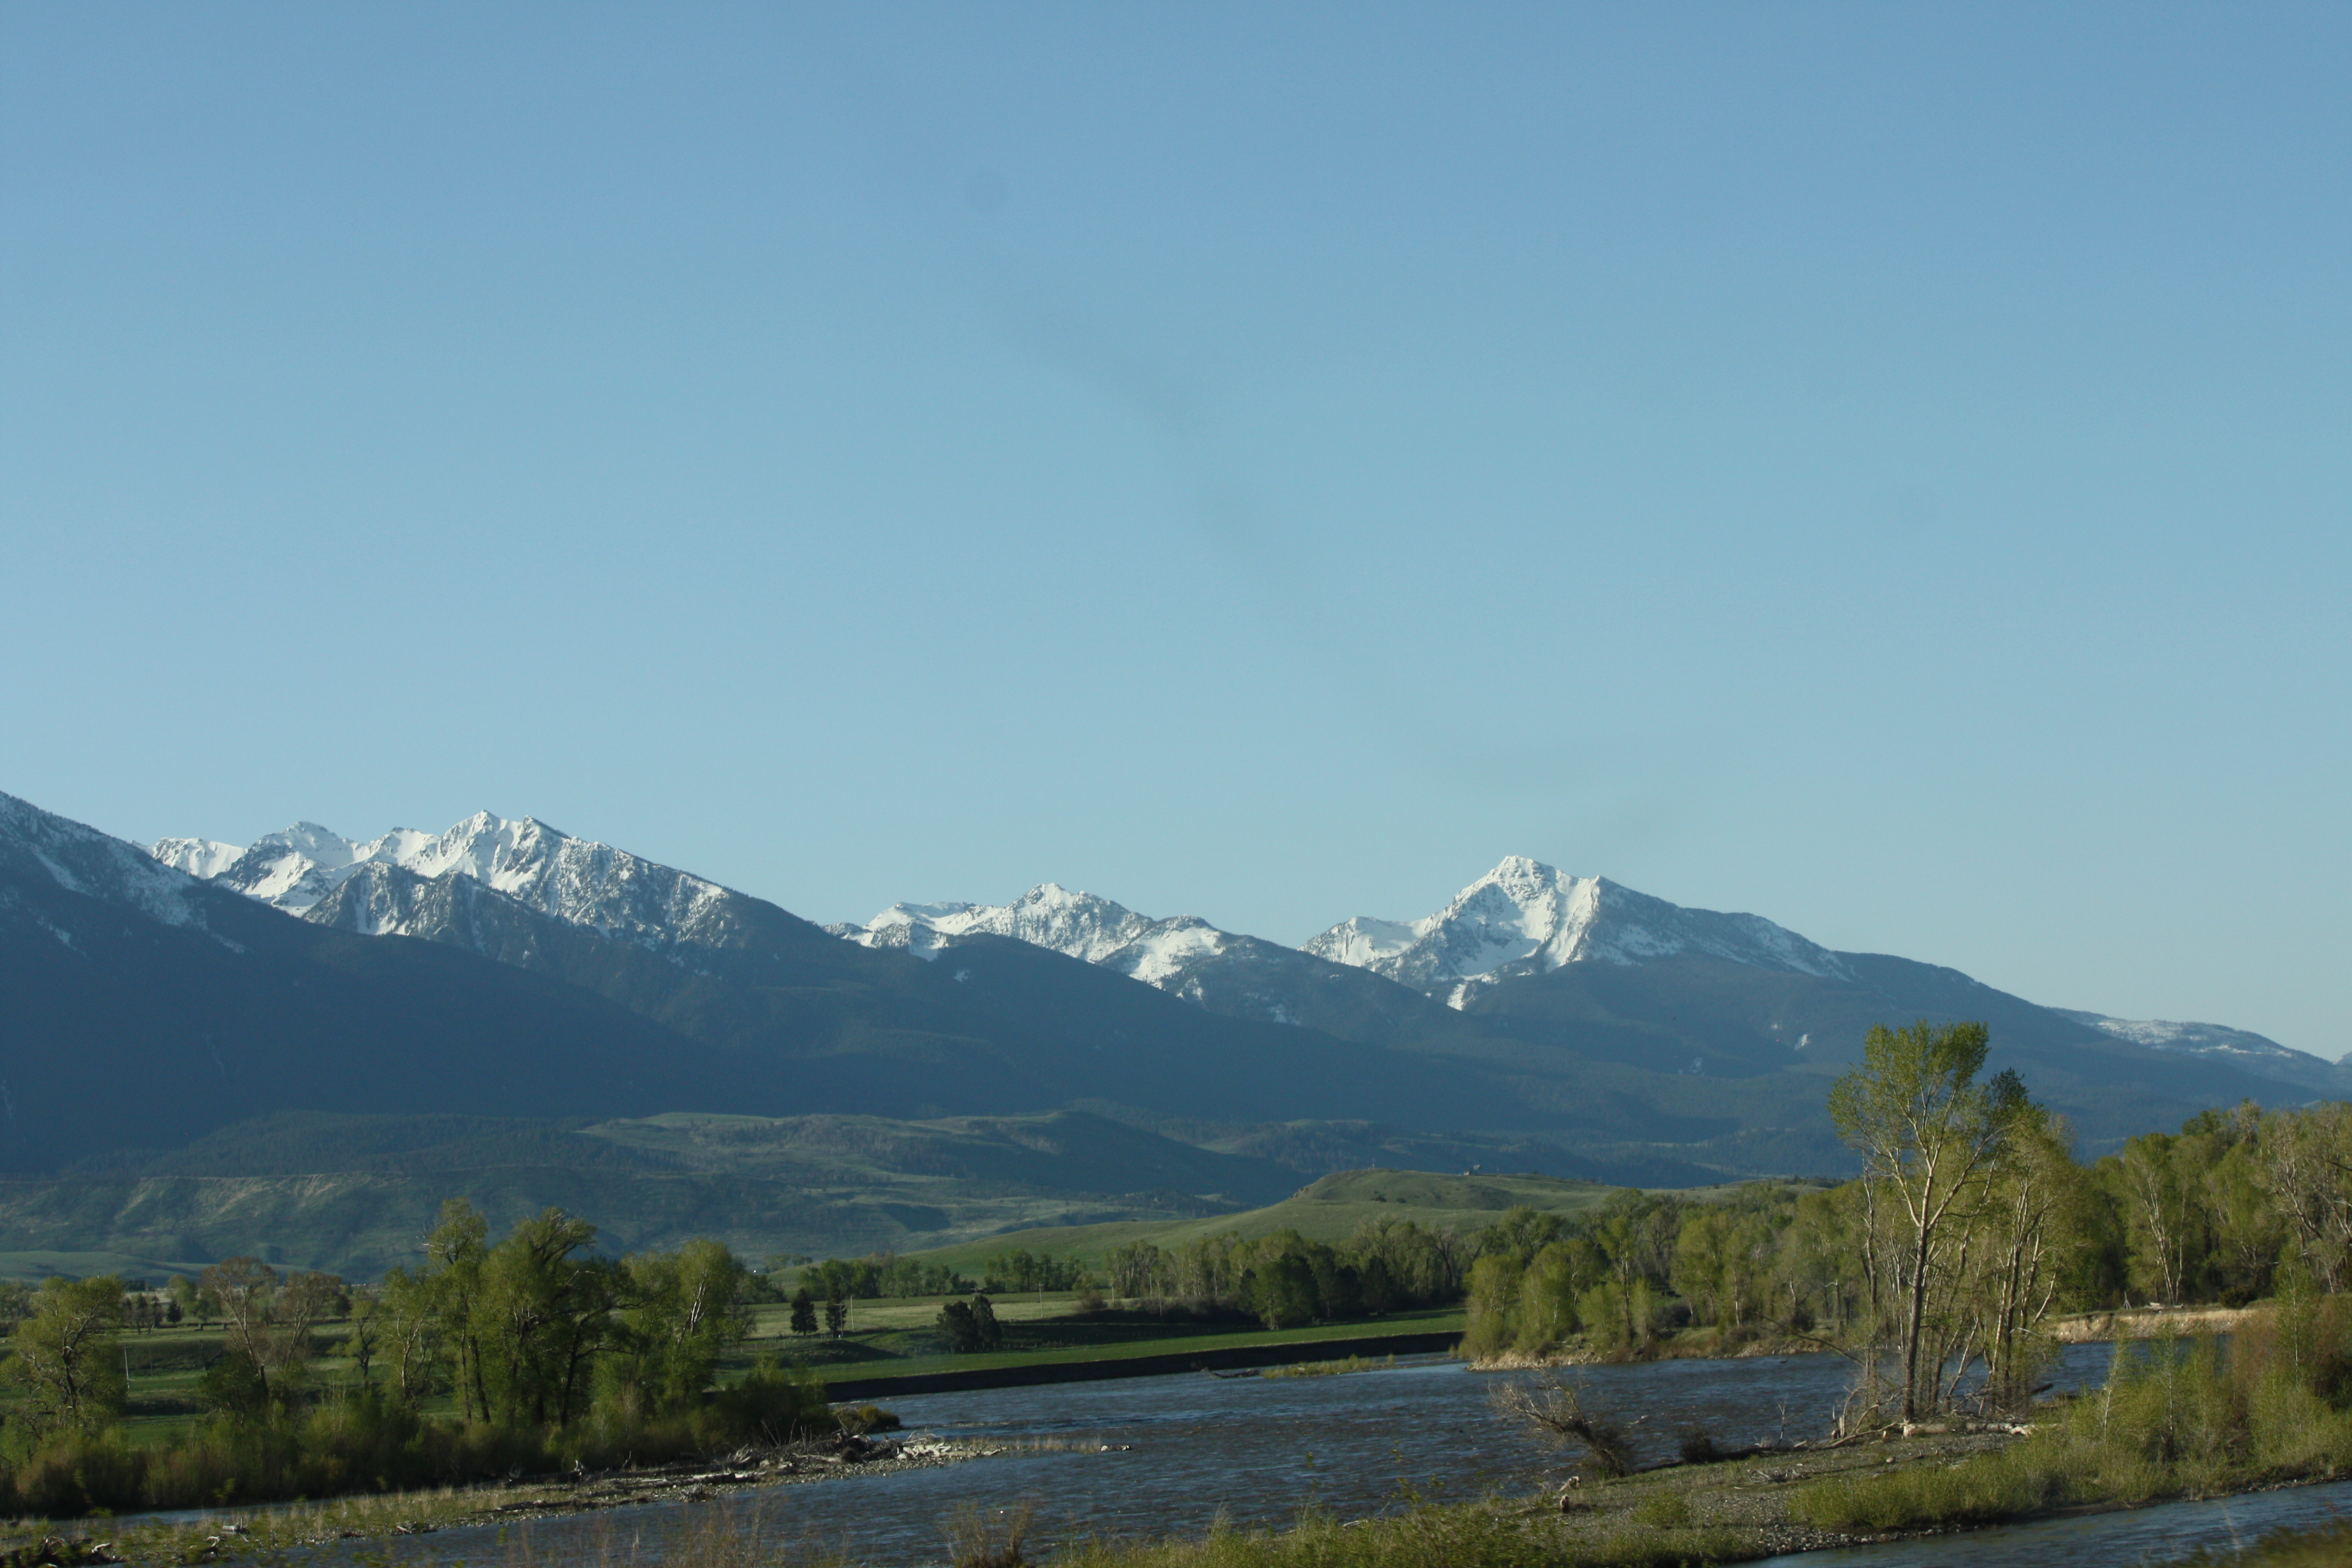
(1328, 1210)
(897, 1336)
(895, 1339)
(885, 1339)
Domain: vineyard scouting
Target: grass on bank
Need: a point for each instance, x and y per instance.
(1329, 1368)
(1464, 1536)
(2327, 1547)
(2177, 1418)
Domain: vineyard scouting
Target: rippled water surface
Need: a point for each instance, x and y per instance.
(1257, 1448)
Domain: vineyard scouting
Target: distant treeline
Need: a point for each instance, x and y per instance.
(1287, 1280)
(1283, 1277)
(880, 1275)
(553, 1356)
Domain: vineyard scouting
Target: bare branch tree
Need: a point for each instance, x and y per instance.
(1557, 1411)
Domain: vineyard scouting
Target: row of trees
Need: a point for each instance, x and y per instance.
(533, 1329)
(550, 1354)
(1940, 1267)
(880, 1275)
(1287, 1280)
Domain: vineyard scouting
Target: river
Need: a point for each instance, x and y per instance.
(1187, 1448)
(1255, 1449)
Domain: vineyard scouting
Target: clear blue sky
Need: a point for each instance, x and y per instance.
(1882, 467)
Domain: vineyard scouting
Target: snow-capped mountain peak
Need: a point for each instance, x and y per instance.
(1521, 918)
(1525, 917)
(1047, 915)
(200, 858)
(574, 879)
(1081, 925)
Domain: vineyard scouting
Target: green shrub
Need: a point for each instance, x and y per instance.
(368, 1441)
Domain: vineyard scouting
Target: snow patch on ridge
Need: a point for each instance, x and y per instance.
(2213, 1041)
(81, 859)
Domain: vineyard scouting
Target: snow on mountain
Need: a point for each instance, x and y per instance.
(1525, 918)
(1047, 915)
(574, 879)
(1521, 918)
(1156, 952)
(83, 861)
(201, 858)
(2246, 1048)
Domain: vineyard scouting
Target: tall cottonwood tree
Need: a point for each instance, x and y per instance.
(543, 1314)
(680, 1312)
(455, 1251)
(1927, 1132)
(2033, 1225)
(66, 1364)
(2306, 1163)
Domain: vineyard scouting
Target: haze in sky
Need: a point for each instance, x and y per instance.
(1884, 468)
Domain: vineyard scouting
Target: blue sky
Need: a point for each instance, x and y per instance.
(1885, 468)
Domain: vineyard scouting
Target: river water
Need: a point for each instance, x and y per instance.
(1188, 1448)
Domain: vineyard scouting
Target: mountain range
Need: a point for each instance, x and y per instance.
(505, 974)
(1523, 918)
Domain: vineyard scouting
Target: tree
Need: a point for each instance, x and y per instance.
(1494, 1296)
(836, 1315)
(1555, 1279)
(681, 1312)
(270, 1319)
(67, 1364)
(1137, 1268)
(451, 1298)
(956, 1326)
(365, 1338)
(16, 1304)
(1282, 1293)
(544, 1313)
(2160, 1212)
(2033, 1225)
(970, 1326)
(409, 1318)
(984, 1318)
(803, 1311)
(1926, 1131)
(1703, 1269)
(2307, 1164)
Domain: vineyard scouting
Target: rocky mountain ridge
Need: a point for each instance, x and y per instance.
(576, 881)
(1522, 917)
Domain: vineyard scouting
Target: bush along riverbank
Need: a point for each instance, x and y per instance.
(2177, 1418)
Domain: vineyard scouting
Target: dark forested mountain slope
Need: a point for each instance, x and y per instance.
(141, 1014)
(145, 1008)
(507, 970)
